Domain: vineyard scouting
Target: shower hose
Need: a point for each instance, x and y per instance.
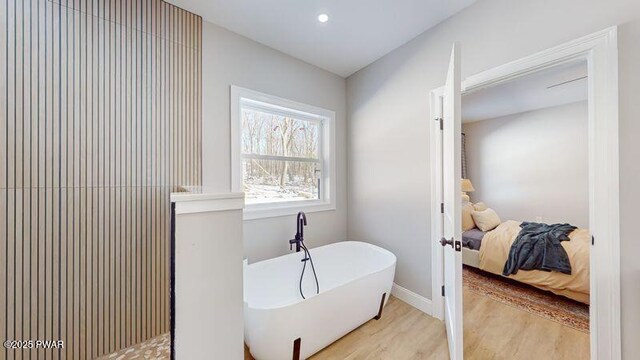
(307, 257)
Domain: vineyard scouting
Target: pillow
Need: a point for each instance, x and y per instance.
(467, 219)
(479, 206)
(486, 220)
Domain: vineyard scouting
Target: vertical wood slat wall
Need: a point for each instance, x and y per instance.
(99, 121)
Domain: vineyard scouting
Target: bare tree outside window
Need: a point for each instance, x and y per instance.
(280, 157)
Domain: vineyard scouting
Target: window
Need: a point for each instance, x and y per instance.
(282, 154)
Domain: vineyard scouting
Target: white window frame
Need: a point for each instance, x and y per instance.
(327, 200)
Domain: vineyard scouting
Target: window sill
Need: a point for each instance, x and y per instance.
(264, 211)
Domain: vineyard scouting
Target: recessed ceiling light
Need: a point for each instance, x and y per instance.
(323, 18)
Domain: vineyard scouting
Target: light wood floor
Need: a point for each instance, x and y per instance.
(492, 330)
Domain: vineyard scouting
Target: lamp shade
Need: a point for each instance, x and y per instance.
(467, 186)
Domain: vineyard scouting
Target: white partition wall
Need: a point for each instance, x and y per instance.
(206, 291)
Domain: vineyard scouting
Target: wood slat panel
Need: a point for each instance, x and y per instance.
(100, 121)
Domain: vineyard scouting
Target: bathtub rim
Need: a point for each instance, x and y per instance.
(375, 247)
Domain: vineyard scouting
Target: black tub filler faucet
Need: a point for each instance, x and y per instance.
(301, 222)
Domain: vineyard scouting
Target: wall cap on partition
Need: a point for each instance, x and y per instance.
(200, 199)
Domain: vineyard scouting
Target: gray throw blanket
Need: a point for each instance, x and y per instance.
(537, 247)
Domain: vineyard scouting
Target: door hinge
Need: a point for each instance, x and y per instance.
(458, 245)
(442, 290)
(441, 208)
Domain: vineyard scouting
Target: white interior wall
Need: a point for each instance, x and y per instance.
(388, 111)
(532, 164)
(228, 58)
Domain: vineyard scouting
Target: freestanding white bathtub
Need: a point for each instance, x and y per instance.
(353, 277)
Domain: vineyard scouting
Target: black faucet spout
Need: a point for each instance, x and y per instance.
(301, 222)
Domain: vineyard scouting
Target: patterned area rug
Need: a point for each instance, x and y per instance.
(539, 302)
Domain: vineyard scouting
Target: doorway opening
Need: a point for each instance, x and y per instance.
(598, 54)
(525, 214)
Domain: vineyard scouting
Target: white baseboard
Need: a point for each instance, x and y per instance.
(417, 301)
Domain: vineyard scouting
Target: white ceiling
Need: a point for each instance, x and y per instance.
(358, 31)
(527, 93)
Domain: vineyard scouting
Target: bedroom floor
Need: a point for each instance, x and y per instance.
(528, 298)
(492, 330)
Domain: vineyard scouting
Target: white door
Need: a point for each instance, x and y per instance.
(452, 227)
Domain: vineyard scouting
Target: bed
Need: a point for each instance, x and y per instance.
(488, 251)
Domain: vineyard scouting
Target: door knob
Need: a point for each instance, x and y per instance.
(445, 242)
